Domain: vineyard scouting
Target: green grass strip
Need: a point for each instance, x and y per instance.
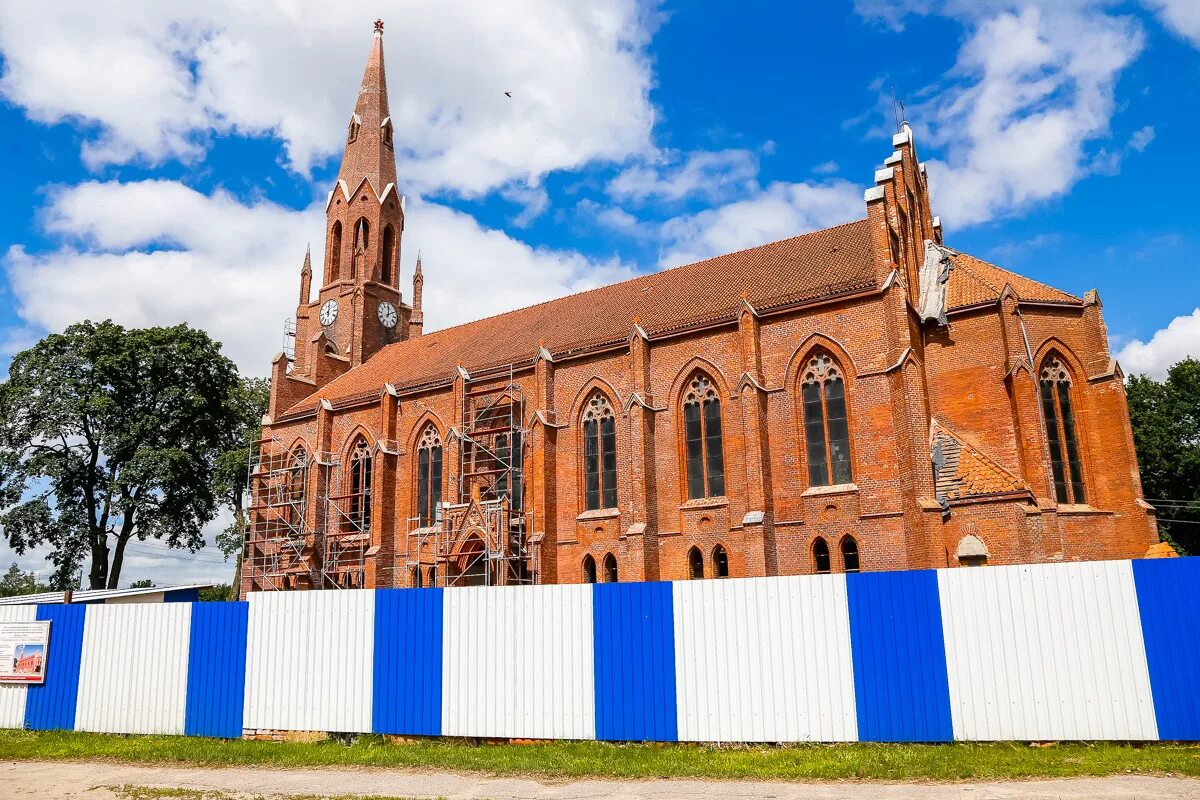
(890, 762)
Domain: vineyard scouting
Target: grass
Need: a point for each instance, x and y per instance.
(559, 760)
(154, 793)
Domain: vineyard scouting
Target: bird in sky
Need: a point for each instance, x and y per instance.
(508, 94)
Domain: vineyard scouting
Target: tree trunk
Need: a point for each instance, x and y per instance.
(98, 574)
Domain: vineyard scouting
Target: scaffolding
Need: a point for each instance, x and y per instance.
(275, 541)
(484, 539)
(344, 534)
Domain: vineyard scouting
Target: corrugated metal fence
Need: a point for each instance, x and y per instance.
(1105, 650)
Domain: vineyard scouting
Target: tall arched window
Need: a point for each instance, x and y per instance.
(335, 253)
(702, 439)
(599, 454)
(429, 476)
(589, 569)
(362, 240)
(359, 512)
(720, 560)
(389, 254)
(820, 551)
(610, 568)
(826, 433)
(849, 554)
(695, 564)
(1060, 430)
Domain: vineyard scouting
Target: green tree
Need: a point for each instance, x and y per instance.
(15, 582)
(108, 436)
(250, 401)
(144, 583)
(1166, 432)
(217, 594)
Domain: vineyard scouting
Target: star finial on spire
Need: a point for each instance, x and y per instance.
(379, 26)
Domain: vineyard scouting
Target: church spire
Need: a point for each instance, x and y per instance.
(306, 275)
(369, 149)
(416, 323)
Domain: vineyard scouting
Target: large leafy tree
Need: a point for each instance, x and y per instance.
(250, 400)
(1166, 433)
(15, 582)
(108, 436)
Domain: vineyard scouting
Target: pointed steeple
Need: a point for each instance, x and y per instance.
(416, 323)
(306, 275)
(369, 150)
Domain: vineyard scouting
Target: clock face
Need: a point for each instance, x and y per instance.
(387, 314)
(329, 312)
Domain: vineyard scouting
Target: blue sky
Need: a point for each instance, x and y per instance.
(174, 168)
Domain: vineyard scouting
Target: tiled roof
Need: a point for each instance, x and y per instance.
(966, 472)
(973, 281)
(827, 263)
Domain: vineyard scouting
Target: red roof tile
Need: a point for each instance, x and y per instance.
(973, 281)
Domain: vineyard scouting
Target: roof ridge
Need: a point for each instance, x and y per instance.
(1007, 271)
(642, 276)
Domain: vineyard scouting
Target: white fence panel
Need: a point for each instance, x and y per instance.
(764, 660)
(309, 661)
(133, 669)
(1046, 652)
(12, 696)
(518, 662)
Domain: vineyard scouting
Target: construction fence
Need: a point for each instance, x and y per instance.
(1089, 651)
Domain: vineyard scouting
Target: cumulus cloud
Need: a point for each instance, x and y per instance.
(1179, 340)
(1181, 16)
(155, 85)
(1031, 90)
(673, 176)
(777, 212)
(159, 253)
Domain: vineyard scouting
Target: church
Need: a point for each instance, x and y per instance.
(864, 397)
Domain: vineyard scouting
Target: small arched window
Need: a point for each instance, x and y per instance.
(1060, 431)
(431, 578)
(353, 128)
(720, 560)
(610, 568)
(415, 580)
(359, 515)
(335, 253)
(695, 564)
(387, 271)
(429, 476)
(702, 439)
(589, 569)
(849, 554)
(826, 432)
(599, 454)
(820, 552)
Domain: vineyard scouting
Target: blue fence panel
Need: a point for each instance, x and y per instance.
(1168, 593)
(900, 685)
(182, 596)
(407, 691)
(51, 706)
(634, 629)
(216, 678)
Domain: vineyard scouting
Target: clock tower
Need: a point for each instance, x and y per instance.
(358, 308)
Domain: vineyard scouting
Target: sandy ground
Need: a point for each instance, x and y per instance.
(87, 781)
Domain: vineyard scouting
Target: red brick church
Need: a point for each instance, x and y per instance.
(859, 398)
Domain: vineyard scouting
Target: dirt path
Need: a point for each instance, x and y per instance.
(86, 781)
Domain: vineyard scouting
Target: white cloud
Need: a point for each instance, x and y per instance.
(1179, 340)
(780, 211)
(158, 252)
(1141, 138)
(153, 83)
(1181, 16)
(673, 176)
(825, 168)
(1032, 88)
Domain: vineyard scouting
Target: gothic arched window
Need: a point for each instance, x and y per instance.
(820, 553)
(610, 568)
(389, 254)
(695, 564)
(335, 253)
(359, 512)
(702, 439)
(826, 433)
(429, 476)
(599, 454)
(849, 554)
(1060, 431)
(589, 569)
(720, 562)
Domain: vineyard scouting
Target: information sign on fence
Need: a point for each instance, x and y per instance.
(23, 648)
